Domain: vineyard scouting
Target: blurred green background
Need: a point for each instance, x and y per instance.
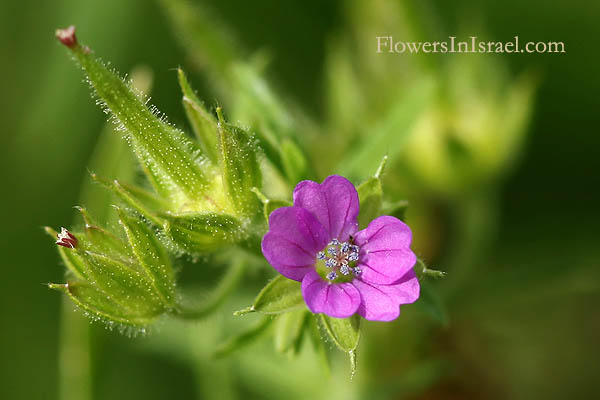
(519, 316)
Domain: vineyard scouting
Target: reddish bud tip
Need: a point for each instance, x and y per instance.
(67, 36)
(66, 239)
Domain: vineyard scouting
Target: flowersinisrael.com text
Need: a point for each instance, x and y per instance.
(387, 44)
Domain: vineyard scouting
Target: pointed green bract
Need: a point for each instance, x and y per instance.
(203, 122)
(239, 166)
(171, 161)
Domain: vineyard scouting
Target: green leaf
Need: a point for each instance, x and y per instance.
(370, 194)
(345, 333)
(289, 329)
(295, 164)
(239, 166)
(278, 296)
(203, 122)
(199, 233)
(243, 339)
(169, 158)
(152, 256)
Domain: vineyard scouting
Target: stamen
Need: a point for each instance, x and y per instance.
(340, 259)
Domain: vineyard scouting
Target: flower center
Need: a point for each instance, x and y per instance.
(337, 261)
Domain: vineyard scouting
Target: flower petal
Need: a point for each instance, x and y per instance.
(334, 202)
(339, 300)
(294, 238)
(382, 302)
(385, 255)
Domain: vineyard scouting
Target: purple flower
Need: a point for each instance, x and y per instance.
(343, 272)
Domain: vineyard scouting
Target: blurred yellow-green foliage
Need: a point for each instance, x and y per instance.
(497, 154)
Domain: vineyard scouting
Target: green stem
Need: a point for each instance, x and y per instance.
(227, 285)
(74, 356)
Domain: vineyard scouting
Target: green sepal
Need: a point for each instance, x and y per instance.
(151, 255)
(239, 165)
(104, 240)
(280, 295)
(204, 124)
(198, 233)
(99, 305)
(289, 331)
(270, 205)
(244, 339)
(170, 159)
(344, 333)
(422, 271)
(370, 195)
(295, 164)
(139, 199)
(127, 286)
